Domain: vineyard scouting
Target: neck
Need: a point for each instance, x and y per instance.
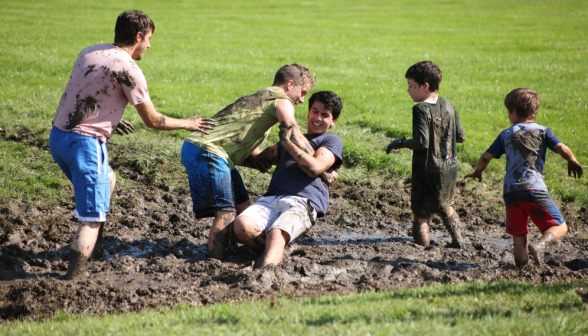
(431, 96)
(127, 48)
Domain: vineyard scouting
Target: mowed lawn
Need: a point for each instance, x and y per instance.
(205, 54)
(467, 309)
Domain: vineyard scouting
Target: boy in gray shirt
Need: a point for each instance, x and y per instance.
(525, 144)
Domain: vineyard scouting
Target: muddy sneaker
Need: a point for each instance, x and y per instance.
(420, 234)
(453, 227)
(77, 261)
(536, 250)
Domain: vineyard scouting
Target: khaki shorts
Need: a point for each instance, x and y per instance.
(290, 214)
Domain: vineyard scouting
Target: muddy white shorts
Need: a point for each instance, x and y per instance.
(291, 214)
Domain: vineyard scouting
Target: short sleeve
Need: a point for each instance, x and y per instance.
(550, 139)
(334, 143)
(497, 148)
(459, 132)
(134, 84)
(420, 126)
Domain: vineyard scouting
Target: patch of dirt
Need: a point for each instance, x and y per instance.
(156, 251)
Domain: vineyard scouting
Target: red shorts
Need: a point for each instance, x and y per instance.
(536, 204)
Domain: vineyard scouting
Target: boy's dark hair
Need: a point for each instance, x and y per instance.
(129, 23)
(524, 101)
(329, 99)
(296, 72)
(425, 72)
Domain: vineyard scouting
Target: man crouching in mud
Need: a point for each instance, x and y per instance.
(103, 81)
(296, 195)
(215, 183)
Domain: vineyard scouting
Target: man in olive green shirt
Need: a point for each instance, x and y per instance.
(215, 183)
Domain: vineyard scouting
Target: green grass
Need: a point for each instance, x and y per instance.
(468, 309)
(206, 54)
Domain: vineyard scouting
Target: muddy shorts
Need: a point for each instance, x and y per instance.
(84, 160)
(214, 186)
(291, 214)
(536, 204)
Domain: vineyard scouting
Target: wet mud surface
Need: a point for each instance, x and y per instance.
(156, 251)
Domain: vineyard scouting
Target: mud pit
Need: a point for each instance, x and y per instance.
(156, 251)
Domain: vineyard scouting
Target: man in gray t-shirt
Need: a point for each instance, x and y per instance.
(296, 195)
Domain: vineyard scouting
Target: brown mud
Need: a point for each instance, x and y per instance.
(156, 254)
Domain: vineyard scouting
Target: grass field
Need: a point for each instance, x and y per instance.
(468, 309)
(205, 54)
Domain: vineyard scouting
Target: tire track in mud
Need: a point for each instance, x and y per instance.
(156, 251)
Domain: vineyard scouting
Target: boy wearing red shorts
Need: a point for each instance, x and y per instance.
(525, 144)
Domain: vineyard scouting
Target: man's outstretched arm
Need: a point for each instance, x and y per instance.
(158, 121)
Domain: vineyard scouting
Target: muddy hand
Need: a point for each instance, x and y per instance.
(260, 164)
(286, 132)
(197, 124)
(396, 144)
(576, 168)
(330, 178)
(124, 126)
(476, 174)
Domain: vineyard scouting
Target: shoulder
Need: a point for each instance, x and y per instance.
(446, 102)
(330, 141)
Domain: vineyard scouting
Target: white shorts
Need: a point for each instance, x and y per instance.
(290, 214)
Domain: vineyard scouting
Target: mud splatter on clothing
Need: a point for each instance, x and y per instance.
(123, 77)
(242, 126)
(525, 146)
(103, 81)
(434, 170)
(85, 108)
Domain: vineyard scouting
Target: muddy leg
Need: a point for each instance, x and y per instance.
(521, 256)
(274, 248)
(420, 230)
(549, 236)
(218, 238)
(81, 248)
(98, 251)
(453, 225)
(98, 248)
(249, 234)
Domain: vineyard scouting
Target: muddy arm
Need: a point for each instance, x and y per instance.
(403, 143)
(158, 121)
(573, 165)
(262, 160)
(482, 164)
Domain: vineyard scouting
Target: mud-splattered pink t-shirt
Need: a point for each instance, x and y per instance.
(103, 81)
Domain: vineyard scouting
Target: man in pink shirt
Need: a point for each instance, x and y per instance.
(105, 78)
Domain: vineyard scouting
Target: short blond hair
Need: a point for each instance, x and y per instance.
(295, 72)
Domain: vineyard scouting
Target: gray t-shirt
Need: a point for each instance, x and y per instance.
(525, 146)
(289, 180)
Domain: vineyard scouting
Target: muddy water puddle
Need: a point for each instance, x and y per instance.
(156, 254)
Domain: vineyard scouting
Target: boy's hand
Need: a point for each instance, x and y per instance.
(396, 144)
(576, 168)
(476, 174)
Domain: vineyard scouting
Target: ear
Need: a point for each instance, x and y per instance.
(290, 84)
(426, 86)
(139, 37)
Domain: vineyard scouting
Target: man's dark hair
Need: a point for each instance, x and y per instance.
(129, 24)
(296, 72)
(425, 72)
(329, 99)
(524, 101)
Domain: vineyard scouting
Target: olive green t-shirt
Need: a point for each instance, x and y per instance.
(242, 126)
